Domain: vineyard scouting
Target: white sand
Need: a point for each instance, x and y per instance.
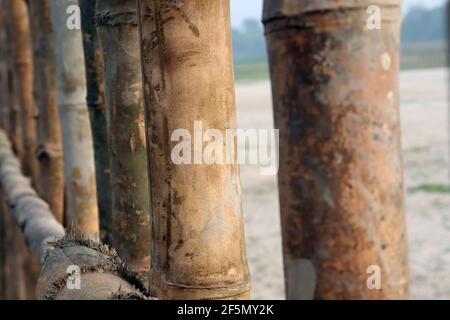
(424, 100)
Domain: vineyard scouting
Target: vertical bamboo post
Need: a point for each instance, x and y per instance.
(119, 35)
(336, 103)
(15, 126)
(96, 105)
(50, 153)
(198, 248)
(14, 259)
(4, 126)
(21, 268)
(4, 122)
(12, 264)
(2, 244)
(79, 168)
(23, 81)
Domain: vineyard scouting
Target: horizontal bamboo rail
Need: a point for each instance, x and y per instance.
(103, 275)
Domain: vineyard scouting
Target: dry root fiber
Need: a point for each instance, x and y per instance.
(103, 275)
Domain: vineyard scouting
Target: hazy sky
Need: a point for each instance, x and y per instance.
(243, 9)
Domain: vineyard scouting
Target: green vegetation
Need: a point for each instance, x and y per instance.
(249, 42)
(425, 25)
(424, 55)
(250, 53)
(430, 188)
(414, 56)
(423, 44)
(251, 70)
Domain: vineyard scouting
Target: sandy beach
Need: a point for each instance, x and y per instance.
(424, 116)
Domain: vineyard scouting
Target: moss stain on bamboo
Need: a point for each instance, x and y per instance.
(118, 32)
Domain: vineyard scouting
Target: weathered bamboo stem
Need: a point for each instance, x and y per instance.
(96, 104)
(13, 258)
(50, 152)
(79, 168)
(2, 243)
(103, 274)
(23, 84)
(198, 249)
(4, 122)
(4, 126)
(13, 286)
(15, 124)
(21, 270)
(335, 94)
(119, 35)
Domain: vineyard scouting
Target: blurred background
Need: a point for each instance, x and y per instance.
(425, 125)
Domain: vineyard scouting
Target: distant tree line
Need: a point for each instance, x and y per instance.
(248, 41)
(419, 25)
(425, 25)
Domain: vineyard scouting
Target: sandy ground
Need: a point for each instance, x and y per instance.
(424, 100)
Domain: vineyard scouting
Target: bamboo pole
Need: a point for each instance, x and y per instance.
(96, 105)
(23, 81)
(50, 152)
(4, 122)
(336, 103)
(79, 168)
(3, 125)
(103, 275)
(119, 35)
(20, 269)
(13, 258)
(198, 249)
(14, 284)
(15, 126)
(2, 246)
